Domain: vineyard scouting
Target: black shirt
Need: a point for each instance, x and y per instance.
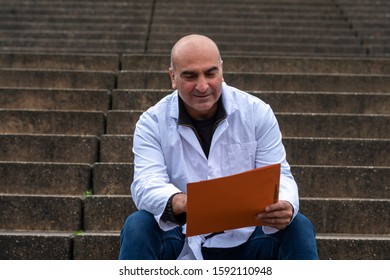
(203, 129)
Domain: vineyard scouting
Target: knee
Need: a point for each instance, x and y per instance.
(139, 222)
(302, 224)
(298, 240)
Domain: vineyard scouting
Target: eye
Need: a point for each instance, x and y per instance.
(188, 75)
(211, 74)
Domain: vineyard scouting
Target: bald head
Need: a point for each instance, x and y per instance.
(196, 74)
(194, 44)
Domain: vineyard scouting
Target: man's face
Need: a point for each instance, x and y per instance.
(197, 75)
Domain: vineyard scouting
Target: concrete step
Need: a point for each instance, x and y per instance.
(265, 48)
(338, 152)
(353, 247)
(378, 12)
(365, 7)
(73, 45)
(378, 50)
(318, 39)
(136, 99)
(327, 102)
(329, 215)
(372, 23)
(291, 124)
(42, 178)
(52, 122)
(58, 79)
(146, 62)
(323, 151)
(348, 216)
(82, 246)
(33, 212)
(80, 34)
(112, 178)
(54, 17)
(372, 41)
(49, 148)
(143, 80)
(244, 11)
(122, 122)
(306, 65)
(286, 101)
(233, 6)
(252, 29)
(55, 99)
(31, 245)
(369, 19)
(287, 50)
(378, 33)
(107, 212)
(49, 245)
(116, 149)
(102, 49)
(330, 247)
(310, 82)
(267, 82)
(80, 4)
(115, 179)
(89, 62)
(309, 16)
(77, 9)
(263, 64)
(334, 126)
(69, 26)
(53, 20)
(340, 181)
(273, 20)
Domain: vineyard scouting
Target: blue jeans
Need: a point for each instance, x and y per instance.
(142, 239)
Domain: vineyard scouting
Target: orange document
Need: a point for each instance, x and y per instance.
(231, 202)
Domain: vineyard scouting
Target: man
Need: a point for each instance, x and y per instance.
(206, 129)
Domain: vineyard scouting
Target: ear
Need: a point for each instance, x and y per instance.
(173, 77)
(222, 70)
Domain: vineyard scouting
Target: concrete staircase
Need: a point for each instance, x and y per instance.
(76, 75)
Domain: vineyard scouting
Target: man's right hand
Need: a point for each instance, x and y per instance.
(179, 203)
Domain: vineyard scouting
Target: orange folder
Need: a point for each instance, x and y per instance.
(231, 202)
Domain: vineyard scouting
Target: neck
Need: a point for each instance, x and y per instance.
(202, 115)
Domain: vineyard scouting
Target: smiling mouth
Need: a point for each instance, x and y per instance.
(202, 95)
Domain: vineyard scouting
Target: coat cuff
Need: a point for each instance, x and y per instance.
(168, 215)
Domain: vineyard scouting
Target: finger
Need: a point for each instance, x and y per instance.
(274, 217)
(275, 222)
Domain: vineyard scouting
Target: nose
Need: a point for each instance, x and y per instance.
(202, 84)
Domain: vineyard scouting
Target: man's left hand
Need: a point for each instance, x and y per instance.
(277, 215)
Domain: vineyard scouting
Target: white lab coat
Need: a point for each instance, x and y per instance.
(167, 156)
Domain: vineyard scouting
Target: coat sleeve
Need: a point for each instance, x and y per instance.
(151, 187)
(270, 150)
